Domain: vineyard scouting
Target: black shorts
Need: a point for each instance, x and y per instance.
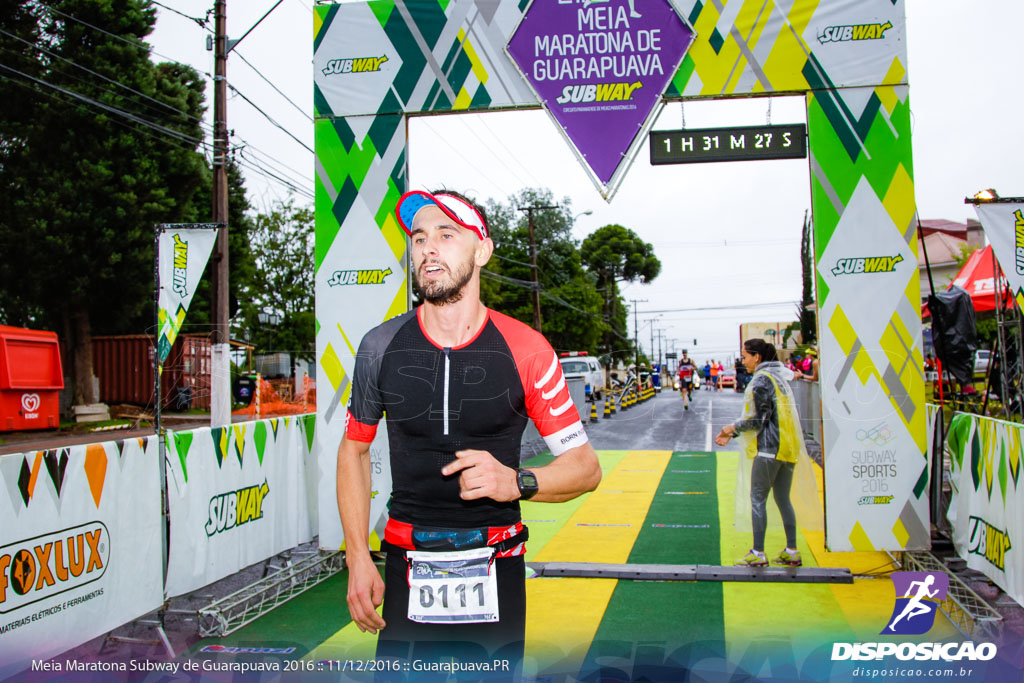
(409, 641)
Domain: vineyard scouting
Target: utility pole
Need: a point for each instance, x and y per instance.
(636, 333)
(533, 264)
(220, 374)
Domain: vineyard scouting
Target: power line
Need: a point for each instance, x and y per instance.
(268, 118)
(267, 173)
(135, 43)
(720, 308)
(113, 110)
(251, 28)
(64, 100)
(271, 84)
(101, 76)
(466, 125)
(263, 163)
(202, 22)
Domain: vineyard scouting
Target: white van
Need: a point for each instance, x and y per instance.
(579, 364)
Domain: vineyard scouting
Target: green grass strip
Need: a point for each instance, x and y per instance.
(656, 619)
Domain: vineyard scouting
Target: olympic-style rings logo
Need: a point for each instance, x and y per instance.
(876, 436)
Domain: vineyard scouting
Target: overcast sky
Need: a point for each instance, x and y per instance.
(727, 234)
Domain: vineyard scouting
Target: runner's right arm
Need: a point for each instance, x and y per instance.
(365, 585)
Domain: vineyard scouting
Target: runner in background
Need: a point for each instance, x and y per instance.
(707, 376)
(687, 369)
(715, 369)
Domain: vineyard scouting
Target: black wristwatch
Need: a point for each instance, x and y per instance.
(527, 481)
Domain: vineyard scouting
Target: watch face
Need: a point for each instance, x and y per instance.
(527, 484)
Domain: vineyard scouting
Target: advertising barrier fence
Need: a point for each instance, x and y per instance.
(81, 530)
(80, 545)
(237, 495)
(986, 511)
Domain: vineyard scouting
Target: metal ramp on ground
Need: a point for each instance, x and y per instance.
(691, 572)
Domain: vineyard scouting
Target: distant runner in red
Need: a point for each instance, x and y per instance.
(458, 383)
(687, 368)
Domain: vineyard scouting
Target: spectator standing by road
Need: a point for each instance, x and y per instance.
(769, 429)
(809, 368)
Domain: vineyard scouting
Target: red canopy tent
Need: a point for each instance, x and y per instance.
(977, 278)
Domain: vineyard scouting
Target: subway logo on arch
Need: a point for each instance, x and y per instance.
(47, 565)
(867, 264)
(354, 65)
(235, 508)
(359, 277)
(598, 92)
(842, 34)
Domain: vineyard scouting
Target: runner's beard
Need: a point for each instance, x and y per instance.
(445, 293)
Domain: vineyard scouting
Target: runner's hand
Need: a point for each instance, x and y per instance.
(365, 594)
(482, 476)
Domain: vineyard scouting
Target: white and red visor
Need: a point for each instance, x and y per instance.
(457, 209)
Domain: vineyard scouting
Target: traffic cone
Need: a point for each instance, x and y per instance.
(593, 412)
(610, 399)
(607, 407)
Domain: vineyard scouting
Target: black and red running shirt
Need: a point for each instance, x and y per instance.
(442, 400)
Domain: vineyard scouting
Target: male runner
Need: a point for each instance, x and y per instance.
(458, 382)
(686, 369)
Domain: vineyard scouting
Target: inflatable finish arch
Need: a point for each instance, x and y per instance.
(379, 61)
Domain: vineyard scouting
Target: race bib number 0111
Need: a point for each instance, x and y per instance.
(453, 587)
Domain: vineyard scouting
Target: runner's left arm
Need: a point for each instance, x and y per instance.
(573, 473)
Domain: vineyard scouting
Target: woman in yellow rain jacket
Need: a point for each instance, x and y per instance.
(769, 430)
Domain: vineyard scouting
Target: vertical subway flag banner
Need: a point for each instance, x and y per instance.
(181, 261)
(1004, 226)
(80, 545)
(600, 69)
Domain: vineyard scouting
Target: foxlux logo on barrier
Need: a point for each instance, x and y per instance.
(918, 595)
(47, 565)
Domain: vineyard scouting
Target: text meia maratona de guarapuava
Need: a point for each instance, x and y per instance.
(604, 47)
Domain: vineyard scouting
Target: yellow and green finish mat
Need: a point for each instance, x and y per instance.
(652, 507)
